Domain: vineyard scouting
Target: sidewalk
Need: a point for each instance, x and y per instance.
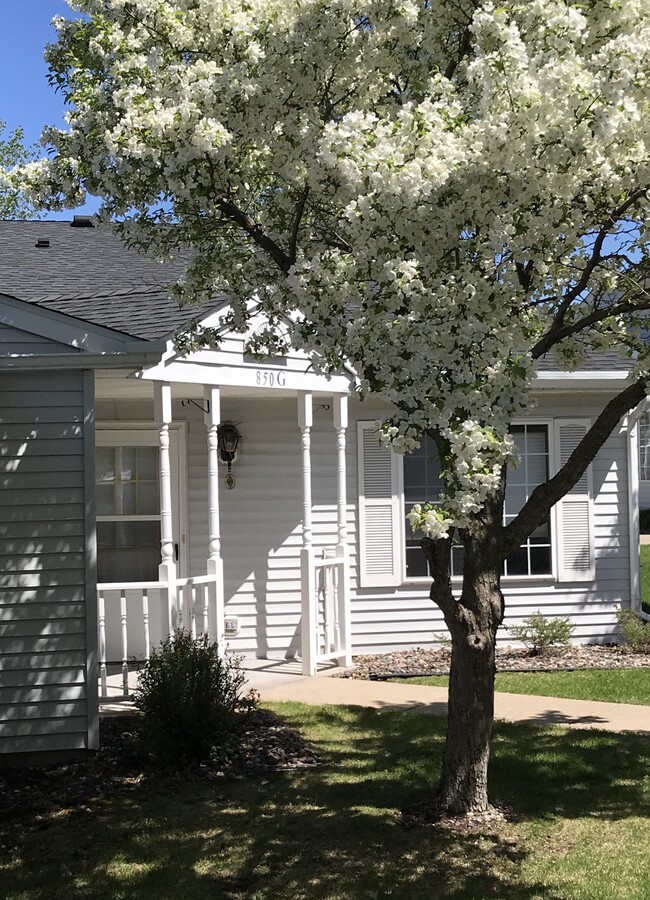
(325, 691)
(278, 681)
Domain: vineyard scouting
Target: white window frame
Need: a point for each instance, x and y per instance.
(457, 580)
(145, 434)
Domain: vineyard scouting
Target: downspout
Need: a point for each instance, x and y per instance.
(632, 426)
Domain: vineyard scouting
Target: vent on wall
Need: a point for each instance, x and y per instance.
(42, 242)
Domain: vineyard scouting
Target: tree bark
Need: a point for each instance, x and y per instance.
(463, 786)
(472, 621)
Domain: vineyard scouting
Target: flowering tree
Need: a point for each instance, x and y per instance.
(443, 191)
(13, 153)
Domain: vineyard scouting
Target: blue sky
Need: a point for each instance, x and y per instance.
(27, 99)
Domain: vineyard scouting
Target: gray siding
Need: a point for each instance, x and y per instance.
(18, 342)
(46, 563)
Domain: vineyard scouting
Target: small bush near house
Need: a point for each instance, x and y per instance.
(190, 697)
(644, 521)
(540, 634)
(635, 631)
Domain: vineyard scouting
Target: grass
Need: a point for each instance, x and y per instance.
(331, 833)
(610, 685)
(645, 576)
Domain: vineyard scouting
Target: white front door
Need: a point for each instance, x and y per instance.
(127, 492)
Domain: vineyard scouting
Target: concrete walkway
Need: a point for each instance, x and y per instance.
(281, 680)
(325, 691)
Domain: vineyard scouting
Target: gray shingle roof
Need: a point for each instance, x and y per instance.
(87, 273)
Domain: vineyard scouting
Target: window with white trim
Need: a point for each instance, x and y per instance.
(422, 484)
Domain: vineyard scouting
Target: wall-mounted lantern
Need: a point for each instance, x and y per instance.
(228, 438)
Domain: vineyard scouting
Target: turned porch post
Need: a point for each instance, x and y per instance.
(214, 562)
(167, 568)
(309, 634)
(342, 549)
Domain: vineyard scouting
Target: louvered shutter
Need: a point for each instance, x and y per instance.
(379, 518)
(574, 513)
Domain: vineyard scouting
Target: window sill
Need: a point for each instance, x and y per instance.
(505, 579)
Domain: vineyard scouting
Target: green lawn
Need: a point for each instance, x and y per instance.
(580, 830)
(610, 685)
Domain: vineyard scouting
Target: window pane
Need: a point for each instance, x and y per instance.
(540, 560)
(536, 469)
(515, 498)
(517, 562)
(416, 563)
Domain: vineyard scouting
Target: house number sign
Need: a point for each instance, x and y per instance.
(266, 378)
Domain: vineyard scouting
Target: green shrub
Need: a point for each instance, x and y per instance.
(644, 521)
(635, 631)
(539, 633)
(190, 697)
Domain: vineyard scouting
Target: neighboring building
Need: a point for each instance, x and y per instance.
(113, 446)
(644, 461)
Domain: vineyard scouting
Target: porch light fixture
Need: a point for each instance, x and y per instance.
(228, 438)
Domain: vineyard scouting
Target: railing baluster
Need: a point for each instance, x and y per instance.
(102, 644)
(206, 609)
(335, 607)
(181, 605)
(125, 647)
(145, 617)
(193, 609)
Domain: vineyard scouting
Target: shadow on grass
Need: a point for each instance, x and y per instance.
(330, 832)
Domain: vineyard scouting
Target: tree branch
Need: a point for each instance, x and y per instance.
(253, 230)
(550, 338)
(300, 209)
(538, 507)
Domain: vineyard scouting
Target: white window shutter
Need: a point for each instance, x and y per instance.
(574, 513)
(379, 511)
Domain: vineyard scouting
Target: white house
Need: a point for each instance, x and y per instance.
(114, 473)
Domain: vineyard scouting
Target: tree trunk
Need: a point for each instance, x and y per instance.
(472, 621)
(463, 786)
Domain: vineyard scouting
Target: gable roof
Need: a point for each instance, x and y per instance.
(87, 273)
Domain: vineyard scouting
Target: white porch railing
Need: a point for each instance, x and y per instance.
(329, 607)
(131, 616)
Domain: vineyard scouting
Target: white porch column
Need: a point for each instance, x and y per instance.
(212, 419)
(342, 549)
(167, 568)
(309, 635)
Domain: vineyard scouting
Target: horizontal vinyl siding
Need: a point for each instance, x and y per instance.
(386, 619)
(43, 564)
(261, 534)
(17, 342)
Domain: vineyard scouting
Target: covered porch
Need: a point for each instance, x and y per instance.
(192, 587)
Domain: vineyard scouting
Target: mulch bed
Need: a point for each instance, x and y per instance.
(267, 745)
(421, 662)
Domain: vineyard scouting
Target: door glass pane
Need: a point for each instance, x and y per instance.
(105, 464)
(128, 551)
(147, 464)
(127, 463)
(147, 499)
